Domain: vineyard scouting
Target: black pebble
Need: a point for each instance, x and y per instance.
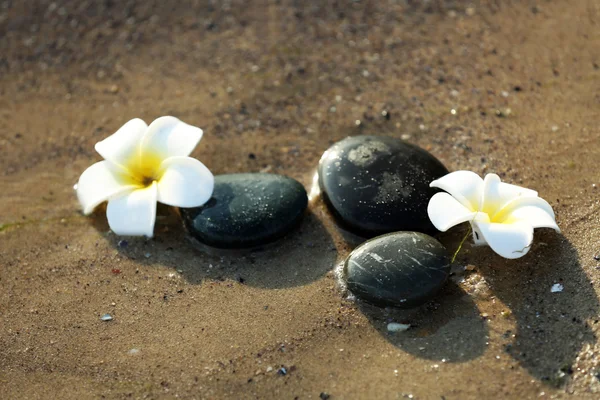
(376, 185)
(247, 210)
(402, 269)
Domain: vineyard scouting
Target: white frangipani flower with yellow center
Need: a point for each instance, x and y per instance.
(142, 165)
(502, 215)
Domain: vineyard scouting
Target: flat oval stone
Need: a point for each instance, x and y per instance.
(247, 210)
(402, 269)
(376, 185)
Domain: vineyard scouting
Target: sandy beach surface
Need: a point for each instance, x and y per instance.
(511, 87)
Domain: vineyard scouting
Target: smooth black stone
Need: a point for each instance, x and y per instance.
(247, 210)
(376, 185)
(402, 269)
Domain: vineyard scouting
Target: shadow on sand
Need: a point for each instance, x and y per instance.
(448, 329)
(551, 327)
(301, 257)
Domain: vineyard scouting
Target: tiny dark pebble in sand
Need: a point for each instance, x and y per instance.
(122, 243)
(376, 185)
(324, 396)
(247, 210)
(403, 269)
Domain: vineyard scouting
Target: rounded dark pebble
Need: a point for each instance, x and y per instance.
(247, 210)
(376, 185)
(402, 269)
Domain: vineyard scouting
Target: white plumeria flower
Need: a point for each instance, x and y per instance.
(502, 216)
(142, 165)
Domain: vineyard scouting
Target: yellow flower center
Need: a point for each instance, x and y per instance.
(143, 170)
(496, 211)
(490, 212)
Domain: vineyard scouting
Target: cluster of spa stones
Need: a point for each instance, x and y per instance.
(376, 187)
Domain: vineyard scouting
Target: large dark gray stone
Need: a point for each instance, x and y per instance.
(375, 185)
(402, 269)
(247, 210)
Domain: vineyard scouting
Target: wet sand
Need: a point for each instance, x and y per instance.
(282, 81)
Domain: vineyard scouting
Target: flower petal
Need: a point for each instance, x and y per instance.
(497, 194)
(465, 186)
(534, 210)
(133, 214)
(508, 240)
(122, 146)
(169, 137)
(185, 182)
(99, 183)
(518, 202)
(445, 211)
(537, 217)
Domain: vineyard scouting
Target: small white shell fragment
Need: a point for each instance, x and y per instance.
(557, 287)
(106, 317)
(397, 327)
